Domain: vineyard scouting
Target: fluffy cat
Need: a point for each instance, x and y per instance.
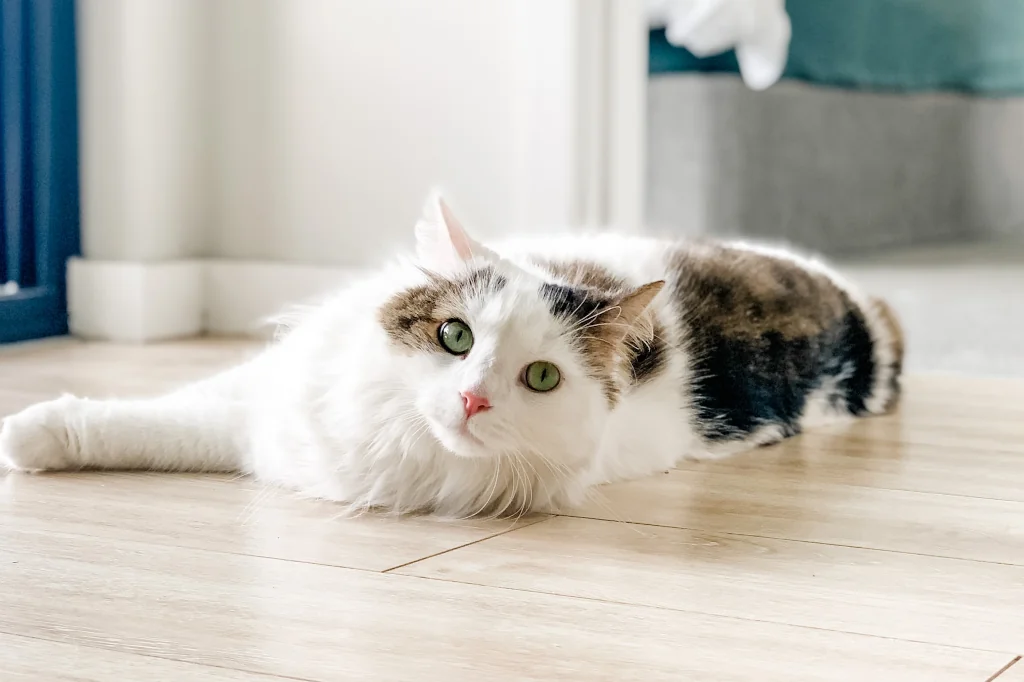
(508, 378)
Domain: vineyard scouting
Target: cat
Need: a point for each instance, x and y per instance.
(510, 378)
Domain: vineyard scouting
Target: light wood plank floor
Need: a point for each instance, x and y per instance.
(889, 550)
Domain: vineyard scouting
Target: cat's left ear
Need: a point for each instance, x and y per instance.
(626, 316)
(442, 243)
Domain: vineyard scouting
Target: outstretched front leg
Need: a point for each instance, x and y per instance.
(192, 430)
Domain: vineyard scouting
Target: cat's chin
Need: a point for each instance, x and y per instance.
(460, 442)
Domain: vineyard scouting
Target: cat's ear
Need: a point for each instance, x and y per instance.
(442, 243)
(627, 313)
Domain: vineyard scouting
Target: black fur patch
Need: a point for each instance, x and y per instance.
(744, 383)
(854, 352)
(762, 333)
(646, 359)
(570, 303)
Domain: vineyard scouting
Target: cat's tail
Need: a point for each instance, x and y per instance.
(199, 428)
(889, 347)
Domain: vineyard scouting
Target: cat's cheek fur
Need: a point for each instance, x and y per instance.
(646, 433)
(437, 384)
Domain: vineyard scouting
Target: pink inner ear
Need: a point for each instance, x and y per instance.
(462, 246)
(458, 237)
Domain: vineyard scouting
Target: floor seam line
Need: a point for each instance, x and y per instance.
(738, 472)
(149, 543)
(785, 539)
(700, 613)
(1004, 669)
(125, 652)
(963, 496)
(465, 544)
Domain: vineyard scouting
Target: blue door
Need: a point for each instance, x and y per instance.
(39, 214)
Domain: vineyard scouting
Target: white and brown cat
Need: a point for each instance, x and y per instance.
(497, 379)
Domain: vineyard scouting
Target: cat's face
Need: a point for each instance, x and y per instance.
(503, 362)
(494, 370)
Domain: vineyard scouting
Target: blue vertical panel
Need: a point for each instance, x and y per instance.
(39, 111)
(54, 131)
(18, 259)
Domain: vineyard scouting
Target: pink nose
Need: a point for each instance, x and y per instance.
(474, 403)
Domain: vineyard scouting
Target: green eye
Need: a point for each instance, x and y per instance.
(541, 376)
(455, 337)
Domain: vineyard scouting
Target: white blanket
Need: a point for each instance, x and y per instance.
(759, 30)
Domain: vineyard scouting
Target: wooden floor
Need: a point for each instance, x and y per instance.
(893, 550)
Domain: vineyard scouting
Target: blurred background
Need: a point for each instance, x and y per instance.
(180, 167)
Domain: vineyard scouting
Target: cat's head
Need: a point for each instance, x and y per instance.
(506, 360)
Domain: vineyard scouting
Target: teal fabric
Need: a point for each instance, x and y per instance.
(963, 45)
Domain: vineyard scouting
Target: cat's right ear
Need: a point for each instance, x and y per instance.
(442, 243)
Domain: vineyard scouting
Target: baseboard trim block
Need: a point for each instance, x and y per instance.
(135, 302)
(240, 297)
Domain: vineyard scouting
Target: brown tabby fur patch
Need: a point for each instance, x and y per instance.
(762, 332)
(598, 338)
(746, 294)
(892, 324)
(888, 318)
(608, 320)
(411, 318)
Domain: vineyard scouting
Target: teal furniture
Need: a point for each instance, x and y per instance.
(974, 46)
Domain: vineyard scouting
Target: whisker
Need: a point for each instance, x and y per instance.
(490, 489)
(252, 507)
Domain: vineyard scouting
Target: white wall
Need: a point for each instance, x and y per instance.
(243, 120)
(365, 105)
(283, 141)
(310, 130)
(145, 191)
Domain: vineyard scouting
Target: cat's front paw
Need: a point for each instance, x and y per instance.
(35, 439)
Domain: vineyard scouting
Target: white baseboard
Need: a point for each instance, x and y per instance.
(132, 302)
(239, 296)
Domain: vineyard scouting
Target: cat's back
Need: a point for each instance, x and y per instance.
(631, 259)
(778, 342)
(773, 341)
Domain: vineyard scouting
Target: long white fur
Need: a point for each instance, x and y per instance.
(333, 410)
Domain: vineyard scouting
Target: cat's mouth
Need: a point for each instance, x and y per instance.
(459, 440)
(464, 432)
